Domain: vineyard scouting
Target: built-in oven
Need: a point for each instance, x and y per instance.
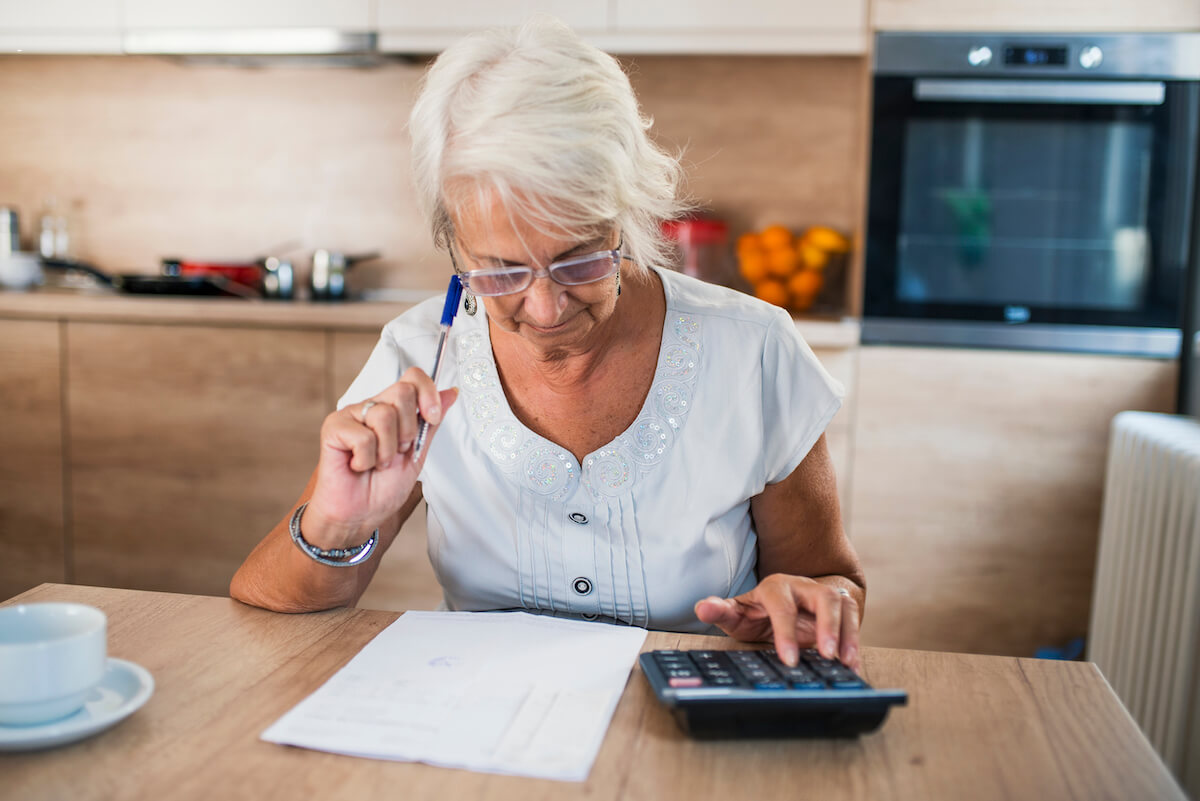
(1031, 191)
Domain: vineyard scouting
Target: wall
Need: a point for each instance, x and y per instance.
(157, 158)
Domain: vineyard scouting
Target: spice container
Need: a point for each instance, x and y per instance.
(703, 249)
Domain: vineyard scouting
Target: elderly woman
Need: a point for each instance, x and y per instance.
(624, 443)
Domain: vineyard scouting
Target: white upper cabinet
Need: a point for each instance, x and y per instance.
(347, 15)
(420, 26)
(428, 26)
(641, 26)
(749, 26)
(1052, 16)
(465, 15)
(60, 26)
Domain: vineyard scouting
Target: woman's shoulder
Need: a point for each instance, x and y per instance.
(415, 323)
(719, 304)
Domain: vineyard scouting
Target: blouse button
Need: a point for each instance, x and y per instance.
(582, 586)
(578, 517)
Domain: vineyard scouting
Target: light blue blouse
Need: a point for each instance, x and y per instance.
(653, 521)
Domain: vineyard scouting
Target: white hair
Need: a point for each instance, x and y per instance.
(550, 125)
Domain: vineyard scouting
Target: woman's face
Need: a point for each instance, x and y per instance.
(549, 315)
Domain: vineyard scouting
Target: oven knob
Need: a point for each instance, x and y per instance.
(1090, 57)
(979, 56)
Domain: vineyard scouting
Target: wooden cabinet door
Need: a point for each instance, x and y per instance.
(187, 444)
(1055, 16)
(32, 536)
(976, 499)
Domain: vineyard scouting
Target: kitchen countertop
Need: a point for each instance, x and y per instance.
(358, 315)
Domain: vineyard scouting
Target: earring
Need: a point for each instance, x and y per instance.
(470, 305)
(618, 283)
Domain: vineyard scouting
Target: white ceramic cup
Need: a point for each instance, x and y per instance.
(51, 656)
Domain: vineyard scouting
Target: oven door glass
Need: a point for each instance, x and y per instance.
(1028, 201)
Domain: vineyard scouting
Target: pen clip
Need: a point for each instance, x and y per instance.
(453, 296)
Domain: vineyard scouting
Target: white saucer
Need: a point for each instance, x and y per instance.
(121, 692)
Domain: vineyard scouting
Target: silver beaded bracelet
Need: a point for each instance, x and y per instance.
(334, 557)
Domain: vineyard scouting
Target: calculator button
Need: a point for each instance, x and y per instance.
(771, 684)
(680, 681)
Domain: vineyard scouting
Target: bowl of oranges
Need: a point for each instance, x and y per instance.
(789, 270)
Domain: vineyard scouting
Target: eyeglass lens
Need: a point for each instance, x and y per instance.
(571, 272)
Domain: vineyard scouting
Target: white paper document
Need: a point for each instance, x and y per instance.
(503, 692)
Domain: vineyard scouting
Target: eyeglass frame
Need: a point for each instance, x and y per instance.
(615, 255)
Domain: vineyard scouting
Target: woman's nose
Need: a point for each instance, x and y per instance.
(545, 300)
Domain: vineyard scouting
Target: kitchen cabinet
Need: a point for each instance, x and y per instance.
(415, 18)
(1055, 16)
(752, 26)
(187, 444)
(977, 485)
(61, 26)
(642, 26)
(349, 15)
(32, 528)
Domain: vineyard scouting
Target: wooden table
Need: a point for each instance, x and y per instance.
(976, 727)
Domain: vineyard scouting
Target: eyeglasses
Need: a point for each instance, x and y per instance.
(575, 271)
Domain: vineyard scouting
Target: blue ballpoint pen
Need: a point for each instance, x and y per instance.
(453, 296)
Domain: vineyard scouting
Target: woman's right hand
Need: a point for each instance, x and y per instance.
(367, 468)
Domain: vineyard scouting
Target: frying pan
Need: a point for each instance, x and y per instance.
(137, 284)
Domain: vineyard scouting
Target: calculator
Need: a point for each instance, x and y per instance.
(730, 694)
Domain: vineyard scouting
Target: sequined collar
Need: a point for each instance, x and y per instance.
(547, 469)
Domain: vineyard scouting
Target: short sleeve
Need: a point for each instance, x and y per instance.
(799, 399)
(383, 368)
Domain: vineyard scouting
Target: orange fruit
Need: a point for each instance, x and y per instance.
(827, 239)
(747, 242)
(772, 292)
(805, 284)
(782, 262)
(812, 257)
(775, 237)
(753, 265)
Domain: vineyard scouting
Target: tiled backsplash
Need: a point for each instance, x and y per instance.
(155, 158)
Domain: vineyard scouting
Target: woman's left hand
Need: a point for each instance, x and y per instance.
(794, 611)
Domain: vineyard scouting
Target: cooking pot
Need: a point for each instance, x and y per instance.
(328, 276)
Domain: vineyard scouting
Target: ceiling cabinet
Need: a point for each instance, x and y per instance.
(351, 15)
(416, 26)
(61, 26)
(752, 26)
(1054, 16)
(408, 26)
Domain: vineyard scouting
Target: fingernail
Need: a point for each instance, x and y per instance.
(790, 655)
(851, 655)
(385, 465)
(404, 446)
(435, 414)
(830, 649)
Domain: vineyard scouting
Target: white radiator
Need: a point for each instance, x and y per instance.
(1145, 627)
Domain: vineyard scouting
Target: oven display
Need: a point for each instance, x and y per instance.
(1022, 56)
